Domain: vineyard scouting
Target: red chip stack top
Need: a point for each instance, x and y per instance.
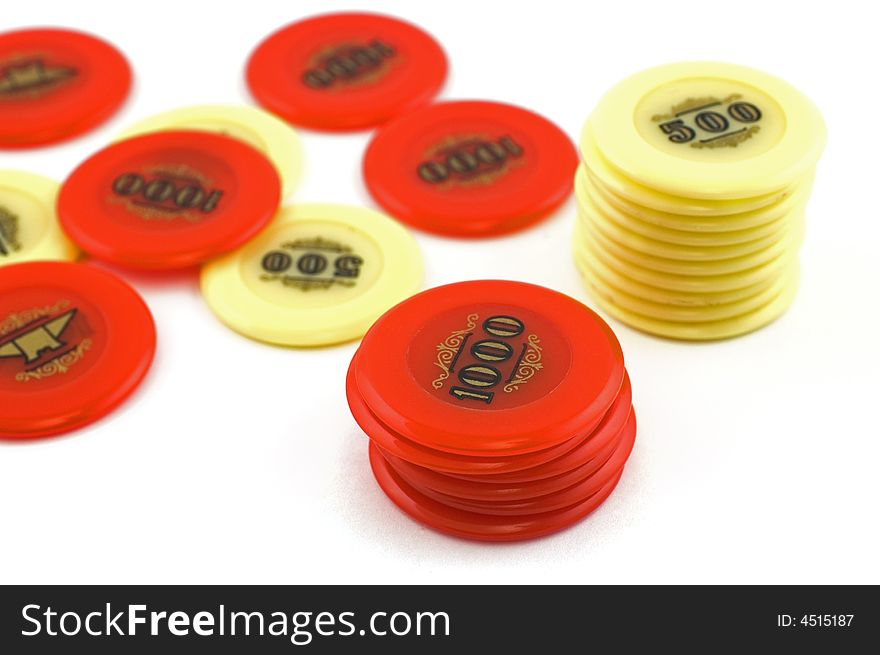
(496, 410)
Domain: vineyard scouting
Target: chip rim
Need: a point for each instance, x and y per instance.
(404, 198)
(256, 177)
(468, 525)
(428, 83)
(53, 244)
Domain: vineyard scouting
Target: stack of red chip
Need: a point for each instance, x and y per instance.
(345, 71)
(470, 168)
(497, 410)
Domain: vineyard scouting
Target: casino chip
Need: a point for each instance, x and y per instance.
(169, 200)
(345, 71)
(260, 129)
(496, 410)
(691, 198)
(319, 275)
(75, 341)
(470, 168)
(56, 84)
(29, 229)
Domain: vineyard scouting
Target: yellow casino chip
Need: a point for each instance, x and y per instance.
(706, 330)
(259, 129)
(589, 196)
(605, 175)
(794, 198)
(318, 275)
(29, 229)
(707, 130)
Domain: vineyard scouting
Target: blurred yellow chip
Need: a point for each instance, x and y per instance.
(259, 129)
(641, 195)
(29, 229)
(318, 275)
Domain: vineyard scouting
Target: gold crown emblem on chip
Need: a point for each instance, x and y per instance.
(35, 338)
(34, 342)
(31, 76)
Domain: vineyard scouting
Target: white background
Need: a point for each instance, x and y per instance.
(756, 459)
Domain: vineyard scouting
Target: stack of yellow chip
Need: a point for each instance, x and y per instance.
(691, 198)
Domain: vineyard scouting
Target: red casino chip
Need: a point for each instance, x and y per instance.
(56, 84)
(496, 410)
(75, 341)
(473, 525)
(473, 490)
(487, 488)
(470, 168)
(346, 71)
(169, 200)
(586, 449)
(537, 364)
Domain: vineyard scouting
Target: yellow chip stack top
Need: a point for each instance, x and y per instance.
(691, 198)
(259, 129)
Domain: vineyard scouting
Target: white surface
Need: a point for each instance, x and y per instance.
(756, 459)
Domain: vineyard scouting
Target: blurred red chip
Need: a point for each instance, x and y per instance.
(345, 71)
(481, 527)
(497, 410)
(470, 168)
(56, 84)
(75, 341)
(169, 199)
